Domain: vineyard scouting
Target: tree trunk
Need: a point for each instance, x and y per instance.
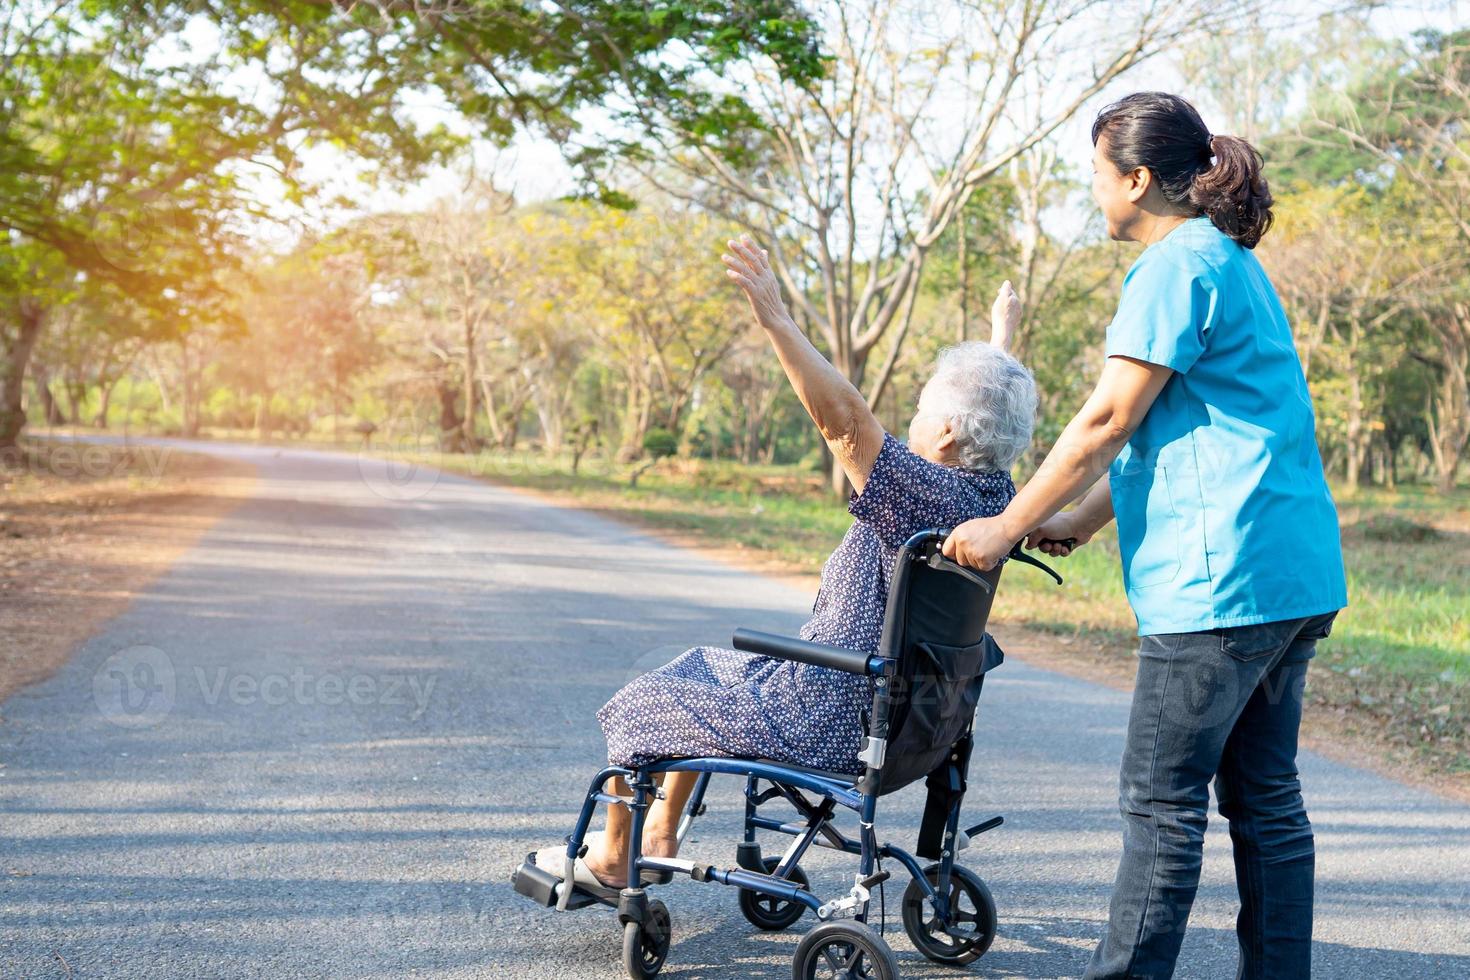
(190, 406)
(550, 405)
(1358, 433)
(260, 416)
(470, 394)
(156, 375)
(1356, 443)
(496, 436)
(963, 223)
(30, 319)
(451, 435)
(1449, 416)
(635, 421)
(512, 431)
(104, 400)
(76, 394)
(50, 411)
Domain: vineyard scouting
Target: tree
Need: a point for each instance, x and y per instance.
(1401, 129)
(120, 146)
(653, 300)
(852, 180)
(464, 262)
(128, 167)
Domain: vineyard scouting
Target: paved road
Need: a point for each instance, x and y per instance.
(317, 747)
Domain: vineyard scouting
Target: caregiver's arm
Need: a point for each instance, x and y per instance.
(841, 413)
(1082, 453)
(1078, 525)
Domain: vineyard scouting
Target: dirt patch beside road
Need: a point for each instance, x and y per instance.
(83, 529)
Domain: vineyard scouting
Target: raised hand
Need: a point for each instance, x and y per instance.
(750, 267)
(1005, 316)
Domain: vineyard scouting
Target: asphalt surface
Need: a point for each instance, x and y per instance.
(318, 746)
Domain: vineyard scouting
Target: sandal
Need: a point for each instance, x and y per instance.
(553, 860)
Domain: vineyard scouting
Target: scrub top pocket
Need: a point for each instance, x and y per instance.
(1148, 527)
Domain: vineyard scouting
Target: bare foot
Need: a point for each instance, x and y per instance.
(610, 869)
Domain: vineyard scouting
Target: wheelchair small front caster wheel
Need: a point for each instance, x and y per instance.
(972, 922)
(770, 912)
(646, 944)
(843, 950)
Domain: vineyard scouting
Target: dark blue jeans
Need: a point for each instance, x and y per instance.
(1221, 705)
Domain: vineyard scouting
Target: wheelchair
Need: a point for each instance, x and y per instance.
(926, 679)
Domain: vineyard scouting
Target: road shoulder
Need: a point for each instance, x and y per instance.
(84, 529)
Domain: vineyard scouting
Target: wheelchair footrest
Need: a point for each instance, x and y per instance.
(540, 885)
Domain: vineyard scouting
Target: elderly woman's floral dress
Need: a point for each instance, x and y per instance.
(710, 701)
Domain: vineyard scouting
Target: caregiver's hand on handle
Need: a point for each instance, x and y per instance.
(1081, 455)
(1058, 537)
(980, 543)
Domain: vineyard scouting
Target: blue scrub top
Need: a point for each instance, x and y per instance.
(1224, 515)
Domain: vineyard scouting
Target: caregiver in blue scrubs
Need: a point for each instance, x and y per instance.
(1227, 532)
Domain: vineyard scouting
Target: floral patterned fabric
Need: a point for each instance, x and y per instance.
(710, 701)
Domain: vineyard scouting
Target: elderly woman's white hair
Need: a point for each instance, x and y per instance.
(990, 400)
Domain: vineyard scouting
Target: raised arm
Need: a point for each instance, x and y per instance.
(839, 410)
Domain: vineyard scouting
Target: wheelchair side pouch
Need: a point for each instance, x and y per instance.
(963, 663)
(946, 688)
(935, 706)
(953, 676)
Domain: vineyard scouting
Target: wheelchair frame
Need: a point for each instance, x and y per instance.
(856, 792)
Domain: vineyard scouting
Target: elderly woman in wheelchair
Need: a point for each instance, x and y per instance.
(878, 691)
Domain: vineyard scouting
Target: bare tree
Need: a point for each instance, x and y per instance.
(462, 269)
(852, 182)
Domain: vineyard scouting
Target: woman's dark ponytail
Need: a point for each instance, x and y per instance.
(1166, 134)
(1233, 192)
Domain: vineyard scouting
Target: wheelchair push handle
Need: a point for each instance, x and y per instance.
(937, 560)
(928, 543)
(1016, 554)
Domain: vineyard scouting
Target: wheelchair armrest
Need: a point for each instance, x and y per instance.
(802, 651)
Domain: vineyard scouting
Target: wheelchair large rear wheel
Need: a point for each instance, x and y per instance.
(972, 918)
(769, 912)
(843, 950)
(646, 944)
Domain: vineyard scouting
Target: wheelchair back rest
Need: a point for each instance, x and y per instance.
(935, 628)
